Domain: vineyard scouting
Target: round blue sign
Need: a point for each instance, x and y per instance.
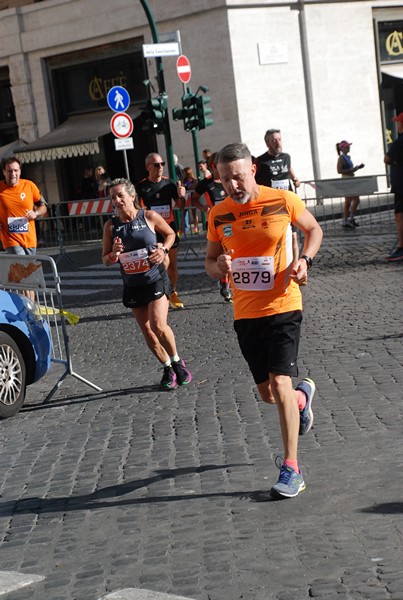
(118, 99)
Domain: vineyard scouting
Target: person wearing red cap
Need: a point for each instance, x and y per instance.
(345, 168)
(394, 158)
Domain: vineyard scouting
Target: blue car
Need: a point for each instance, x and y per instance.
(25, 350)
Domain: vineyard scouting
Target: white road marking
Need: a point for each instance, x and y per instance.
(10, 581)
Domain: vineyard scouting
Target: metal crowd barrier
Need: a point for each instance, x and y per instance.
(39, 275)
(325, 199)
(80, 228)
(70, 226)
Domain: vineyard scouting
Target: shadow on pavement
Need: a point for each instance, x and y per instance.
(97, 500)
(71, 400)
(392, 336)
(387, 508)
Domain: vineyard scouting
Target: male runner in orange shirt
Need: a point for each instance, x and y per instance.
(21, 203)
(249, 237)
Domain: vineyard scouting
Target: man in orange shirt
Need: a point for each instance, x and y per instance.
(250, 238)
(21, 203)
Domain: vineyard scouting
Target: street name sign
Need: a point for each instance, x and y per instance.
(156, 50)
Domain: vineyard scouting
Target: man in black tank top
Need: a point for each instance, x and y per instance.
(161, 194)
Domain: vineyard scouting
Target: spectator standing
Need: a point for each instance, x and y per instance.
(345, 168)
(273, 167)
(130, 238)
(203, 169)
(21, 203)
(189, 179)
(206, 154)
(103, 181)
(189, 182)
(160, 194)
(249, 237)
(89, 185)
(394, 158)
(178, 168)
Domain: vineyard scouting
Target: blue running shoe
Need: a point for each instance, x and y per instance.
(289, 483)
(306, 416)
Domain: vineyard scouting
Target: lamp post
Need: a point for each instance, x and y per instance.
(162, 91)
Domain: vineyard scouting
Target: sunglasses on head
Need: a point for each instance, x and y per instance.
(161, 164)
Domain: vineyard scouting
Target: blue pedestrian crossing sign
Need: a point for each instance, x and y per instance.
(118, 99)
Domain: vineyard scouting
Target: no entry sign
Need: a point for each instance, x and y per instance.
(183, 68)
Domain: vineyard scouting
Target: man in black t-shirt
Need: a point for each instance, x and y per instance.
(161, 194)
(274, 166)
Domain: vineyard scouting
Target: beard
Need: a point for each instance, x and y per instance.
(241, 197)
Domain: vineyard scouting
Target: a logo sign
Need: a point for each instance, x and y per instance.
(390, 37)
(394, 43)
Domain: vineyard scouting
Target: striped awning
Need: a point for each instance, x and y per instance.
(77, 136)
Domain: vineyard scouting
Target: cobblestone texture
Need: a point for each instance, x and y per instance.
(167, 491)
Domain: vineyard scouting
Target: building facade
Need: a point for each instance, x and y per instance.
(319, 70)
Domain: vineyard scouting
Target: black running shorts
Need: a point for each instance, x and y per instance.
(142, 296)
(398, 202)
(160, 238)
(270, 344)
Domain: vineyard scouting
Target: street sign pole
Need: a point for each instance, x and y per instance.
(161, 89)
(126, 165)
(119, 100)
(195, 148)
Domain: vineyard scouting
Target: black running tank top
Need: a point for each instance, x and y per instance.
(138, 241)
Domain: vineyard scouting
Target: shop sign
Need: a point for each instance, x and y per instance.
(390, 35)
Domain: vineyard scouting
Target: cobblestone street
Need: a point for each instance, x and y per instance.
(168, 491)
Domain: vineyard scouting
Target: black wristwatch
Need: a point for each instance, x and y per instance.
(308, 260)
(165, 250)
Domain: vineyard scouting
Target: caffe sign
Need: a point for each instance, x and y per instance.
(390, 34)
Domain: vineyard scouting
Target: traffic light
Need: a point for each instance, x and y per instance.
(203, 110)
(189, 105)
(194, 111)
(188, 113)
(154, 113)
